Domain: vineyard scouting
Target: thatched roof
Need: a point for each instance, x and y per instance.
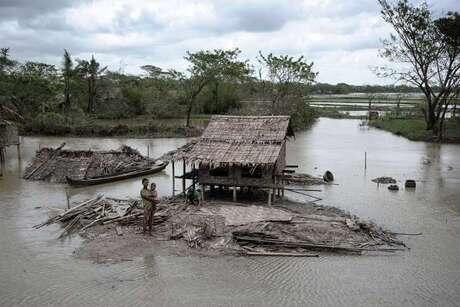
(242, 140)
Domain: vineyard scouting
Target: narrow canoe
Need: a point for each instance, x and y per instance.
(99, 180)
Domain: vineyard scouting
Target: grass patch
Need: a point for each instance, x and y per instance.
(415, 129)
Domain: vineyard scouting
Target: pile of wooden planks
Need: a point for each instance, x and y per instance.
(98, 211)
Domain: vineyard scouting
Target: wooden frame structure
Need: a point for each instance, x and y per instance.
(8, 136)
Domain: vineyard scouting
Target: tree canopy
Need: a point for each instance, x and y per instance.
(427, 54)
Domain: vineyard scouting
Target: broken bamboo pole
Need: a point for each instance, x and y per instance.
(276, 254)
(44, 162)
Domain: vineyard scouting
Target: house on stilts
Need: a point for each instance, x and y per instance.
(239, 152)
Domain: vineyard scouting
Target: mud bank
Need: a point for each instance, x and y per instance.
(227, 228)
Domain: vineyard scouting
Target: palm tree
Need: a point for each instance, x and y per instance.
(67, 72)
(91, 72)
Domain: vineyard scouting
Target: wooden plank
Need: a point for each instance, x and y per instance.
(274, 254)
(305, 244)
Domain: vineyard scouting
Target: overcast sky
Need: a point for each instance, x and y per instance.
(340, 36)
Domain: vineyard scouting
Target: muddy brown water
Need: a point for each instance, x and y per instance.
(37, 269)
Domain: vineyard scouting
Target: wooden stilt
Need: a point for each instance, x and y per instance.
(18, 147)
(202, 192)
(270, 197)
(2, 161)
(173, 179)
(282, 188)
(234, 193)
(183, 176)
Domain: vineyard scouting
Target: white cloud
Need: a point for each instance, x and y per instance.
(341, 37)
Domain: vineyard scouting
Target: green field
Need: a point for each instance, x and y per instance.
(415, 129)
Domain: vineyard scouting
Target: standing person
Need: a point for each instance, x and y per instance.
(148, 202)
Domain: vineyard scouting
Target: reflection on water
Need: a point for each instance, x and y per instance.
(37, 269)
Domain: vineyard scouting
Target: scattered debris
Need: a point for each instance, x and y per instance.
(55, 165)
(384, 180)
(302, 179)
(393, 187)
(410, 183)
(288, 229)
(98, 211)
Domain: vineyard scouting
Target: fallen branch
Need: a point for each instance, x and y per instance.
(272, 254)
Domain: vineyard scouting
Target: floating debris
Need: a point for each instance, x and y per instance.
(302, 179)
(384, 180)
(410, 183)
(328, 176)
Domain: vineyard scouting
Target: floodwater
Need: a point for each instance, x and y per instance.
(37, 269)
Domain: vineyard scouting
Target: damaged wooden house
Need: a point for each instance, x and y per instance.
(237, 152)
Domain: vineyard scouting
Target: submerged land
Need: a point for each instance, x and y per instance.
(171, 268)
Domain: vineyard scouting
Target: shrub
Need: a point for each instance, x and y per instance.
(48, 123)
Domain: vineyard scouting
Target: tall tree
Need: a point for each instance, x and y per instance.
(288, 78)
(207, 67)
(427, 54)
(67, 74)
(90, 71)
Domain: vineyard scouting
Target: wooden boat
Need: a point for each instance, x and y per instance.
(105, 179)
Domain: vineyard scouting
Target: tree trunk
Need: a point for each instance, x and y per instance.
(189, 111)
(67, 95)
(216, 95)
(89, 107)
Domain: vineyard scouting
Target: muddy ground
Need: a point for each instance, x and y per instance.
(207, 229)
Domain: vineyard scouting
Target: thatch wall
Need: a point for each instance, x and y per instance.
(8, 134)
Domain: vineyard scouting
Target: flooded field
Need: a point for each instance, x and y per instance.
(38, 269)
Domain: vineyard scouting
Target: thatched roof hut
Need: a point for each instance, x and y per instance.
(239, 140)
(240, 151)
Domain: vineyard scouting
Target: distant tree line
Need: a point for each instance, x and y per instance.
(215, 82)
(344, 88)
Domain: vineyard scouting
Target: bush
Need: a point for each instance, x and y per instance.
(49, 123)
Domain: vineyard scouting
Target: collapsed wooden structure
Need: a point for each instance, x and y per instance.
(237, 152)
(8, 136)
(58, 165)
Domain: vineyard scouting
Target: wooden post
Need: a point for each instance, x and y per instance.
(269, 197)
(173, 179)
(234, 193)
(183, 176)
(365, 160)
(2, 162)
(18, 147)
(148, 150)
(202, 192)
(68, 198)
